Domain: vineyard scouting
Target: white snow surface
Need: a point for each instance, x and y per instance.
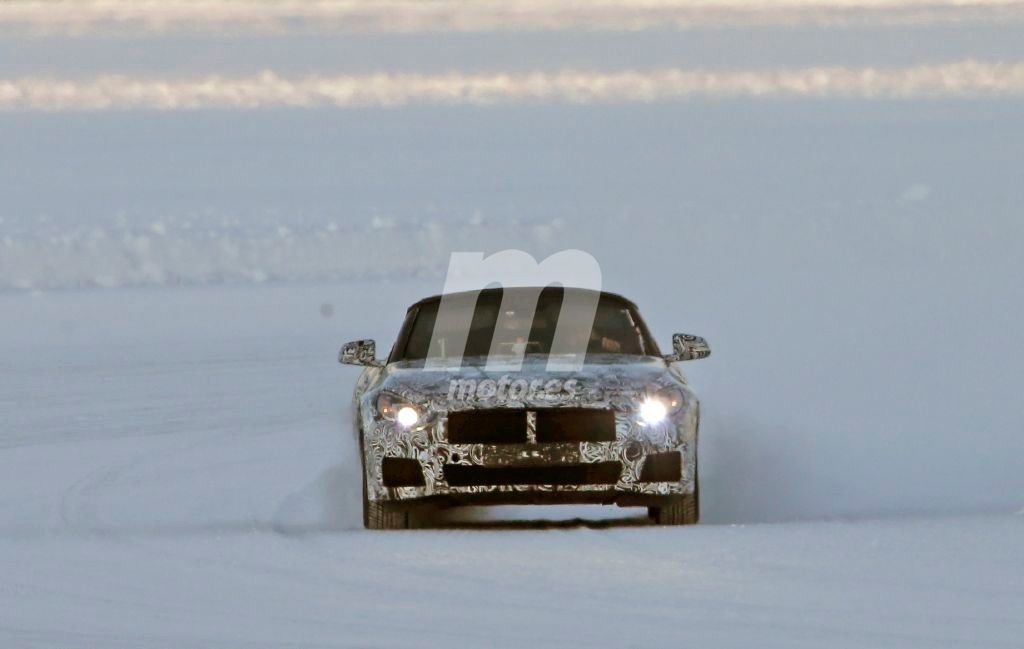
(176, 471)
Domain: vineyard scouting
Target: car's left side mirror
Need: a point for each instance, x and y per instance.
(359, 352)
(688, 348)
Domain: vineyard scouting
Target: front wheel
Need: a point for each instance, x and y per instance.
(685, 511)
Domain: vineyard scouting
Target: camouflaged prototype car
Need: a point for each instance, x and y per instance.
(437, 427)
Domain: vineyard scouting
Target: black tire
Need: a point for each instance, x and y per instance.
(378, 517)
(685, 511)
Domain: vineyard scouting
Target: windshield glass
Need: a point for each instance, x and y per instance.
(617, 328)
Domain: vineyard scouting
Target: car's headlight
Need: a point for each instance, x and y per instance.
(397, 409)
(667, 401)
(652, 411)
(407, 416)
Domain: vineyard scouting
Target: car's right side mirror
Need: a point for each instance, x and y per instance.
(688, 348)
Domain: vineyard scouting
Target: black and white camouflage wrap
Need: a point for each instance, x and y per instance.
(616, 382)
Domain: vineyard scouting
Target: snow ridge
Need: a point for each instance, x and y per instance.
(134, 252)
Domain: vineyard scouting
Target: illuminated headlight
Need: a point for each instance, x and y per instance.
(652, 411)
(407, 416)
(394, 408)
(657, 408)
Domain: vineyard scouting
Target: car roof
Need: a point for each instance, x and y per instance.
(493, 291)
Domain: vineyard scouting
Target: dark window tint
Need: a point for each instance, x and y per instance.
(617, 328)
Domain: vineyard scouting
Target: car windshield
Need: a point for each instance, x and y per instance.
(617, 328)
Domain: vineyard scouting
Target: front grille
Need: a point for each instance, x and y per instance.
(597, 473)
(575, 425)
(551, 460)
(508, 426)
(497, 426)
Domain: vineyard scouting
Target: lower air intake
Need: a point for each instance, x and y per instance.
(401, 472)
(662, 467)
(597, 473)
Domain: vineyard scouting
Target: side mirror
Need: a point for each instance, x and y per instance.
(359, 352)
(688, 348)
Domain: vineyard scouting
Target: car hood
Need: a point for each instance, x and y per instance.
(614, 381)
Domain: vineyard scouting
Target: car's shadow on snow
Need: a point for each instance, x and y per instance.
(536, 525)
(528, 518)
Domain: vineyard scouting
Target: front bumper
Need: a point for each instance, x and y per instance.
(644, 465)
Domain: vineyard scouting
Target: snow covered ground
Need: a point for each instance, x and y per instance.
(175, 463)
(175, 471)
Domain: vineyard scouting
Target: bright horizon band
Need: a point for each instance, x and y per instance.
(965, 79)
(411, 16)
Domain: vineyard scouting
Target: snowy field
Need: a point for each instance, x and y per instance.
(175, 472)
(176, 468)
